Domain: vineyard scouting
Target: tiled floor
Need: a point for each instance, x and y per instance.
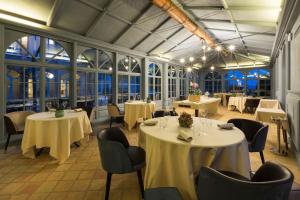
(81, 176)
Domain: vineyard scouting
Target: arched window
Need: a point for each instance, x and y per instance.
(154, 81)
(172, 81)
(234, 81)
(129, 79)
(23, 91)
(87, 59)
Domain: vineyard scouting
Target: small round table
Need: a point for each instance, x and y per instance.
(174, 163)
(137, 109)
(45, 130)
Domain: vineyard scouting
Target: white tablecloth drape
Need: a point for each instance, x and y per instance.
(269, 103)
(44, 130)
(174, 163)
(137, 109)
(210, 104)
(238, 102)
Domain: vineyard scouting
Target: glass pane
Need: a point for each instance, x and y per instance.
(123, 88)
(105, 61)
(135, 67)
(26, 48)
(85, 89)
(104, 89)
(22, 88)
(264, 73)
(56, 54)
(87, 59)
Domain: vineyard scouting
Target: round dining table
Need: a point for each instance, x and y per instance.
(45, 130)
(175, 163)
(137, 109)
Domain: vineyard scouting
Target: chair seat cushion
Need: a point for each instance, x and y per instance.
(137, 156)
(163, 193)
(235, 175)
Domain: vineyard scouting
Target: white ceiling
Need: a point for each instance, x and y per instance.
(140, 25)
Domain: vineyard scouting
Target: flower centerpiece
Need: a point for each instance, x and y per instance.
(148, 100)
(60, 110)
(185, 120)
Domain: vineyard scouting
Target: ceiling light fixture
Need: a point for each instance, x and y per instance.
(203, 58)
(182, 60)
(20, 20)
(212, 68)
(133, 60)
(189, 69)
(126, 60)
(203, 47)
(110, 68)
(231, 47)
(191, 59)
(208, 48)
(219, 48)
(126, 67)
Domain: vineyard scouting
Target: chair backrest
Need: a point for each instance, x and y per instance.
(15, 121)
(158, 113)
(113, 146)
(249, 127)
(113, 110)
(275, 184)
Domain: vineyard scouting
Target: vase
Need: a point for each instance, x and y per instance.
(59, 113)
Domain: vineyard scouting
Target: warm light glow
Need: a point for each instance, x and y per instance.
(126, 67)
(133, 60)
(231, 47)
(189, 69)
(191, 59)
(182, 60)
(126, 60)
(203, 47)
(208, 48)
(219, 48)
(212, 68)
(204, 58)
(110, 68)
(19, 20)
(49, 75)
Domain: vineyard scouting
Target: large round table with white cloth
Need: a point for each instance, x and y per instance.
(45, 130)
(137, 109)
(175, 163)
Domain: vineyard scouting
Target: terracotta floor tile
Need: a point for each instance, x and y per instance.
(80, 185)
(86, 174)
(63, 186)
(19, 197)
(56, 176)
(47, 187)
(75, 196)
(40, 196)
(71, 175)
(11, 188)
(56, 196)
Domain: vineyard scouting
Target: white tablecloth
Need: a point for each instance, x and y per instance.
(238, 102)
(137, 109)
(44, 130)
(269, 103)
(265, 114)
(210, 104)
(172, 162)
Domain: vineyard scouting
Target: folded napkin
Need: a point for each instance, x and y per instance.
(151, 122)
(78, 109)
(226, 126)
(184, 135)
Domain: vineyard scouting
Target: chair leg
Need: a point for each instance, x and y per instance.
(111, 119)
(108, 180)
(139, 173)
(261, 153)
(7, 142)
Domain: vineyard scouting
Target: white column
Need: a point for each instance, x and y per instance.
(2, 83)
(73, 83)
(165, 85)
(42, 74)
(144, 78)
(115, 78)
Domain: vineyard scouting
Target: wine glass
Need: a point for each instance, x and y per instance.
(49, 106)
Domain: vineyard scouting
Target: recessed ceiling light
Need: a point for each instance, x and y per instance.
(231, 47)
(191, 59)
(204, 58)
(182, 60)
(218, 48)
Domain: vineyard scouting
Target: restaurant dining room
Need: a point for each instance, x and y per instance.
(150, 99)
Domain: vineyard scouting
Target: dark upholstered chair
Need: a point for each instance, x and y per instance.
(270, 182)
(15, 123)
(163, 193)
(251, 105)
(115, 114)
(117, 157)
(255, 132)
(158, 113)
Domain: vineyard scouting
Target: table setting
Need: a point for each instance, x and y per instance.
(180, 145)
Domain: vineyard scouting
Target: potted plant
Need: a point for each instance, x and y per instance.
(185, 120)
